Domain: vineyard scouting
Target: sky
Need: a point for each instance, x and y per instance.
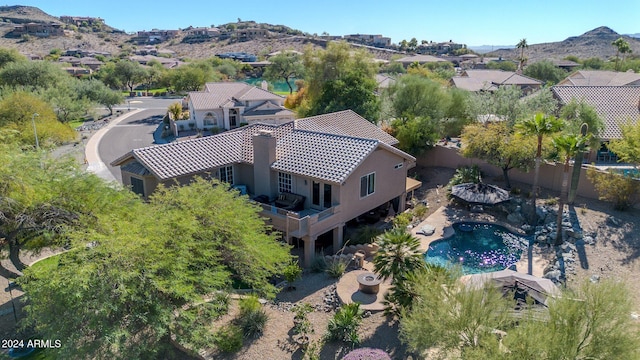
(471, 22)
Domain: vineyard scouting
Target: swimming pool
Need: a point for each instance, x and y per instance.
(478, 248)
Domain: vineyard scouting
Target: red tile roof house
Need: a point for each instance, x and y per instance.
(614, 104)
(312, 175)
(228, 105)
(490, 80)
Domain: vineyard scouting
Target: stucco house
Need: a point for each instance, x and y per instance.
(601, 78)
(311, 176)
(228, 105)
(491, 80)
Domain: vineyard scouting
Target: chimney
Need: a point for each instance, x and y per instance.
(264, 85)
(264, 154)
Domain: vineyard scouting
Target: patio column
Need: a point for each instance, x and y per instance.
(403, 202)
(338, 238)
(309, 249)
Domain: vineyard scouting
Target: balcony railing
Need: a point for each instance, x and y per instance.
(296, 224)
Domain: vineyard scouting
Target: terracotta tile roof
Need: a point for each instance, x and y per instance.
(322, 156)
(268, 108)
(192, 156)
(489, 80)
(613, 103)
(331, 155)
(346, 122)
(601, 78)
(225, 94)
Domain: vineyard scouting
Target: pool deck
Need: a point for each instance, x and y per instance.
(442, 219)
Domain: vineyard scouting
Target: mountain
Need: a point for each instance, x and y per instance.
(483, 49)
(594, 43)
(636, 35)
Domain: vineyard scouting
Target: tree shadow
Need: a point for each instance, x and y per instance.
(309, 284)
(151, 120)
(577, 228)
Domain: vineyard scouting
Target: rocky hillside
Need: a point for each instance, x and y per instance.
(594, 43)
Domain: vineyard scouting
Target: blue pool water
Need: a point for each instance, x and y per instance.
(478, 248)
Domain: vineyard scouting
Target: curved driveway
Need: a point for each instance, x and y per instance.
(130, 131)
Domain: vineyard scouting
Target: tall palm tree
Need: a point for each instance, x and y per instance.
(398, 255)
(568, 146)
(540, 126)
(522, 45)
(622, 47)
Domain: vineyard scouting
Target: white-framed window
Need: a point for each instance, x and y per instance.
(367, 184)
(210, 120)
(284, 182)
(226, 174)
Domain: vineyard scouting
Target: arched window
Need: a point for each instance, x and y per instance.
(210, 120)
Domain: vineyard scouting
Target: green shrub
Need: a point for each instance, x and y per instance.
(252, 317)
(319, 264)
(364, 235)
(402, 220)
(229, 339)
(466, 174)
(420, 211)
(336, 268)
(292, 272)
(622, 191)
(551, 201)
(345, 323)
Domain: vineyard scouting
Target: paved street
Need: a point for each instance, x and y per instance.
(135, 131)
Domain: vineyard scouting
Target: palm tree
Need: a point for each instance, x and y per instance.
(398, 255)
(522, 45)
(569, 146)
(622, 48)
(540, 125)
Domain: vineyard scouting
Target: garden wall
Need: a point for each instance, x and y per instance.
(550, 174)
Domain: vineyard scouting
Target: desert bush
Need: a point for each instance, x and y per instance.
(402, 220)
(345, 323)
(420, 211)
(364, 235)
(319, 264)
(551, 201)
(622, 190)
(291, 273)
(466, 174)
(336, 268)
(229, 339)
(252, 317)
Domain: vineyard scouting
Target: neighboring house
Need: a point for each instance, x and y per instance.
(601, 78)
(420, 59)
(87, 62)
(384, 81)
(567, 65)
(251, 34)
(37, 29)
(491, 80)
(367, 39)
(228, 105)
(200, 34)
(311, 176)
(167, 63)
(440, 48)
(81, 20)
(155, 36)
(614, 104)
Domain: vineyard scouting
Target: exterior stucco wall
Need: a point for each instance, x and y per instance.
(389, 183)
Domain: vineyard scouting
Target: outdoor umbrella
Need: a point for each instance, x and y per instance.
(481, 193)
(538, 288)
